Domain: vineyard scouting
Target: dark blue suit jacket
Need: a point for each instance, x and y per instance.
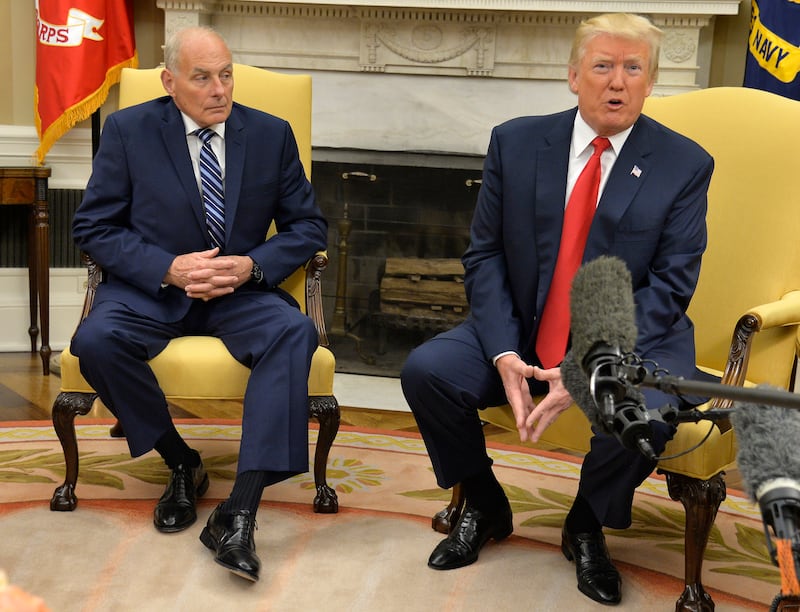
(142, 206)
(655, 222)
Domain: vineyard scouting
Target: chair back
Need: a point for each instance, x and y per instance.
(753, 254)
(287, 96)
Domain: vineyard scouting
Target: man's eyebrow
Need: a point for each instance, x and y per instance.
(198, 70)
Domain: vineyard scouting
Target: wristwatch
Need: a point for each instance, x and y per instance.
(257, 274)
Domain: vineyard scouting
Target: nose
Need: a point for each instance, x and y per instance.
(217, 88)
(617, 78)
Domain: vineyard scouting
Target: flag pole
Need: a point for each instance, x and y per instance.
(95, 132)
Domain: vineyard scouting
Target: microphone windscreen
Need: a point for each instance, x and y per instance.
(575, 381)
(602, 307)
(767, 438)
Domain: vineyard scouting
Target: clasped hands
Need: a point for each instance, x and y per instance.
(531, 418)
(205, 275)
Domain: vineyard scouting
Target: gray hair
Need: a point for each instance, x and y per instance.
(172, 47)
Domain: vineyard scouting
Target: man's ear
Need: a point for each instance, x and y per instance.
(167, 81)
(572, 79)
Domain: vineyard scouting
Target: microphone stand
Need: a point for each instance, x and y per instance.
(788, 597)
(677, 385)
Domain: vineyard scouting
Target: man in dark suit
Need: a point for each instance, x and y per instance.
(172, 271)
(650, 213)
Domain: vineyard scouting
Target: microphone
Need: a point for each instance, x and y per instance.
(630, 421)
(603, 326)
(768, 460)
(602, 312)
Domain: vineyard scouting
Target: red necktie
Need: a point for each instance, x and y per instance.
(551, 341)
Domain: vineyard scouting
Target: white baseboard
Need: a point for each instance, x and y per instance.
(67, 288)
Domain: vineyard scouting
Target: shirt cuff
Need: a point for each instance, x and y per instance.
(503, 354)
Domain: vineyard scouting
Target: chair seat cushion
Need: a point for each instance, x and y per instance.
(200, 367)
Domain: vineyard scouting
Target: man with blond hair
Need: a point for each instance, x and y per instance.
(647, 207)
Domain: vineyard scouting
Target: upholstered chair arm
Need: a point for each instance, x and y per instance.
(779, 313)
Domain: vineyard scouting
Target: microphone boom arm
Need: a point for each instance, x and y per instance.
(677, 385)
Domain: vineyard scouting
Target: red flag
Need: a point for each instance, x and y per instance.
(81, 48)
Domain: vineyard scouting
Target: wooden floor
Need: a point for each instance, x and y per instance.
(26, 394)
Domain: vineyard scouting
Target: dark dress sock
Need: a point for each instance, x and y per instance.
(581, 518)
(175, 451)
(249, 487)
(483, 492)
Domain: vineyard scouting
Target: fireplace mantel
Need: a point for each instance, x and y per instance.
(434, 75)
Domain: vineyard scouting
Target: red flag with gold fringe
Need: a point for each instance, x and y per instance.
(81, 48)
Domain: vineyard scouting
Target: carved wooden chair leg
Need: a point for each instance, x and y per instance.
(66, 407)
(701, 500)
(326, 410)
(444, 520)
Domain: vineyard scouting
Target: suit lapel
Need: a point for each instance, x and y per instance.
(626, 178)
(173, 133)
(552, 161)
(235, 141)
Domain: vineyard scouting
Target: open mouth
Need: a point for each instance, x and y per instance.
(615, 103)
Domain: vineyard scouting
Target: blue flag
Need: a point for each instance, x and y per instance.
(773, 50)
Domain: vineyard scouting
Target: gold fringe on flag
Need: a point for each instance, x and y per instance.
(77, 112)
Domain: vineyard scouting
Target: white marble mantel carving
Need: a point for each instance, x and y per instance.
(436, 75)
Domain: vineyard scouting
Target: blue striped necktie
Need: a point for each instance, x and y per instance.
(213, 191)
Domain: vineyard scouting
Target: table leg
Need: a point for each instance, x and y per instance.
(33, 280)
(43, 269)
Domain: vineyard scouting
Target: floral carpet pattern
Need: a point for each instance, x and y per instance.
(391, 473)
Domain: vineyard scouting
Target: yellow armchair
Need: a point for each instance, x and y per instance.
(200, 367)
(746, 308)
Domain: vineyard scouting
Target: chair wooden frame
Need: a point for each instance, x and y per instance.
(325, 408)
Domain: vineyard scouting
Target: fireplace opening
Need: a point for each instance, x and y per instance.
(398, 225)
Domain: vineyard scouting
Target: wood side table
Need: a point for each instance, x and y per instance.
(28, 186)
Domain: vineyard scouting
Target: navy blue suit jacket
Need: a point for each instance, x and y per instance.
(142, 206)
(652, 218)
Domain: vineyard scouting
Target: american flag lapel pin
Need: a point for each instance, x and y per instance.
(636, 171)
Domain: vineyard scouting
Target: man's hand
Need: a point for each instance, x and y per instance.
(515, 373)
(554, 403)
(204, 275)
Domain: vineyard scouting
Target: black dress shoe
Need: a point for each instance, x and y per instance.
(472, 531)
(230, 536)
(597, 576)
(175, 510)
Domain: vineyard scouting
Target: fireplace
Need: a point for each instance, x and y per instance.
(386, 206)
